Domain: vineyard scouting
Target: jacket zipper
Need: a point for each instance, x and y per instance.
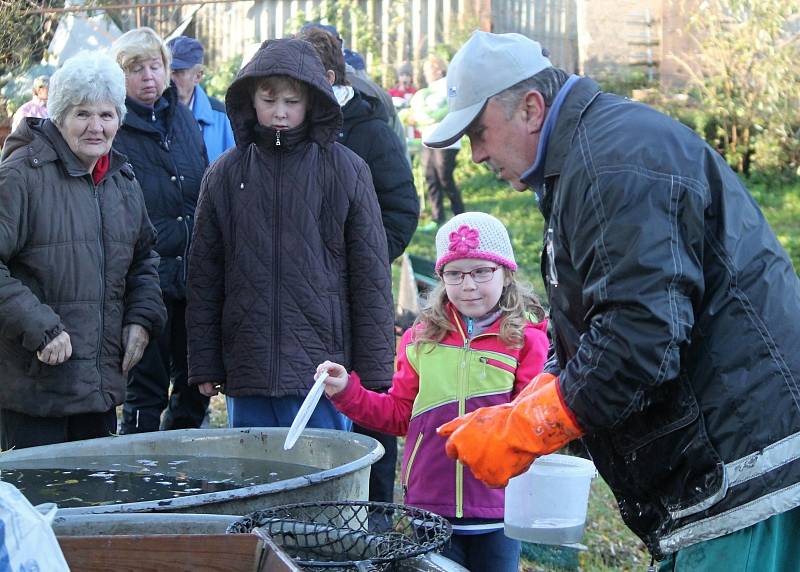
(275, 270)
(277, 138)
(411, 458)
(102, 253)
(462, 405)
(462, 409)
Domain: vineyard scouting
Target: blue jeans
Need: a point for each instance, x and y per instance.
(280, 411)
(492, 551)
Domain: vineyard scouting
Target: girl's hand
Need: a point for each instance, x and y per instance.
(337, 377)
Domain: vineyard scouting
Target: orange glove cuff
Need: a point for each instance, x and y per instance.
(553, 422)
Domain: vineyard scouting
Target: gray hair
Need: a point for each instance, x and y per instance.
(548, 82)
(86, 78)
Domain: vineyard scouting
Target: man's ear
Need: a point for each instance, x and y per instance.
(534, 108)
(331, 75)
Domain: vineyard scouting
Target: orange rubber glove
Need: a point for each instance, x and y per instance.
(501, 442)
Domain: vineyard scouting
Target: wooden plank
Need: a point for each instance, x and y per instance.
(163, 553)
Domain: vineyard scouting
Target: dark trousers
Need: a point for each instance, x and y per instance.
(438, 166)
(491, 551)
(164, 360)
(19, 431)
(381, 475)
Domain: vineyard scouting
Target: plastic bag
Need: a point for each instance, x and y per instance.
(27, 541)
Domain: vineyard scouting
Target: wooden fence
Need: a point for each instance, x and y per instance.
(402, 30)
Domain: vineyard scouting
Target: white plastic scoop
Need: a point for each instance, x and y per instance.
(305, 411)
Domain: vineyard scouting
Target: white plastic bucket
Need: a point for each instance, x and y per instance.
(547, 503)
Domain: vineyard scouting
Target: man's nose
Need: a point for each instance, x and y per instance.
(478, 153)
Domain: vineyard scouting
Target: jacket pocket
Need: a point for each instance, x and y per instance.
(17, 357)
(657, 444)
(407, 475)
(337, 326)
(663, 410)
(496, 364)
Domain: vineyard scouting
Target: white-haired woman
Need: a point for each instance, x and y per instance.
(165, 146)
(79, 293)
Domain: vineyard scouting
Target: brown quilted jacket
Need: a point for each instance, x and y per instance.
(288, 265)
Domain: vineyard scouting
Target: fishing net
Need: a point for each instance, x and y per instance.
(350, 535)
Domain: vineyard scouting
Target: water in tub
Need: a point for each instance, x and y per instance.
(116, 479)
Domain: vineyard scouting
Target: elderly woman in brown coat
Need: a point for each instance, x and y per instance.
(79, 292)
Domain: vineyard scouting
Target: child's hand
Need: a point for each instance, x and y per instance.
(337, 377)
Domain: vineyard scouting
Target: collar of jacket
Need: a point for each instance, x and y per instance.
(201, 107)
(166, 105)
(51, 147)
(268, 138)
(582, 94)
(461, 326)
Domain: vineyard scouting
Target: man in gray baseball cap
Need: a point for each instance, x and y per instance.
(674, 308)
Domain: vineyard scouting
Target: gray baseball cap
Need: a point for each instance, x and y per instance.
(484, 66)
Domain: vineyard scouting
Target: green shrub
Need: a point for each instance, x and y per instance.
(216, 80)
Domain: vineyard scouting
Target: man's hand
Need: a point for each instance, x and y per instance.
(135, 339)
(209, 388)
(57, 351)
(501, 442)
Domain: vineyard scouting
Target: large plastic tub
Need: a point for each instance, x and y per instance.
(343, 460)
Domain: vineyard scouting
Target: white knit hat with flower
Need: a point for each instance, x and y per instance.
(474, 235)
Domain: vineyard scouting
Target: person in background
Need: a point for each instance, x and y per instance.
(36, 106)
(165, 147)
(361, 81)
(365, 131)
(289, 260)
(404, 88)
(187, 73)
(79, 294)
(675, 309)
(428, 107)
(474, 345)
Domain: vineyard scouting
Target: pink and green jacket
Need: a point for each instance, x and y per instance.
(433, 384)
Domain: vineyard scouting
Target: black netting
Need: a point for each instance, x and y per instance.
(351, 535)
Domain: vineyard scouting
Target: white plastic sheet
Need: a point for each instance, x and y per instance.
(27, 541)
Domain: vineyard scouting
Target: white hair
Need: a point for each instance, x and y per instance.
(88, 77)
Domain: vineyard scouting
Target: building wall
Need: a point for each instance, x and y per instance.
(618, 34)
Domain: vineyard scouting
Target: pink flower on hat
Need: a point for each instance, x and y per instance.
(464, 239)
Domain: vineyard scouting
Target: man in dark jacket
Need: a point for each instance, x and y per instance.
(161, 140)
(676, 314)
(366, 132)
